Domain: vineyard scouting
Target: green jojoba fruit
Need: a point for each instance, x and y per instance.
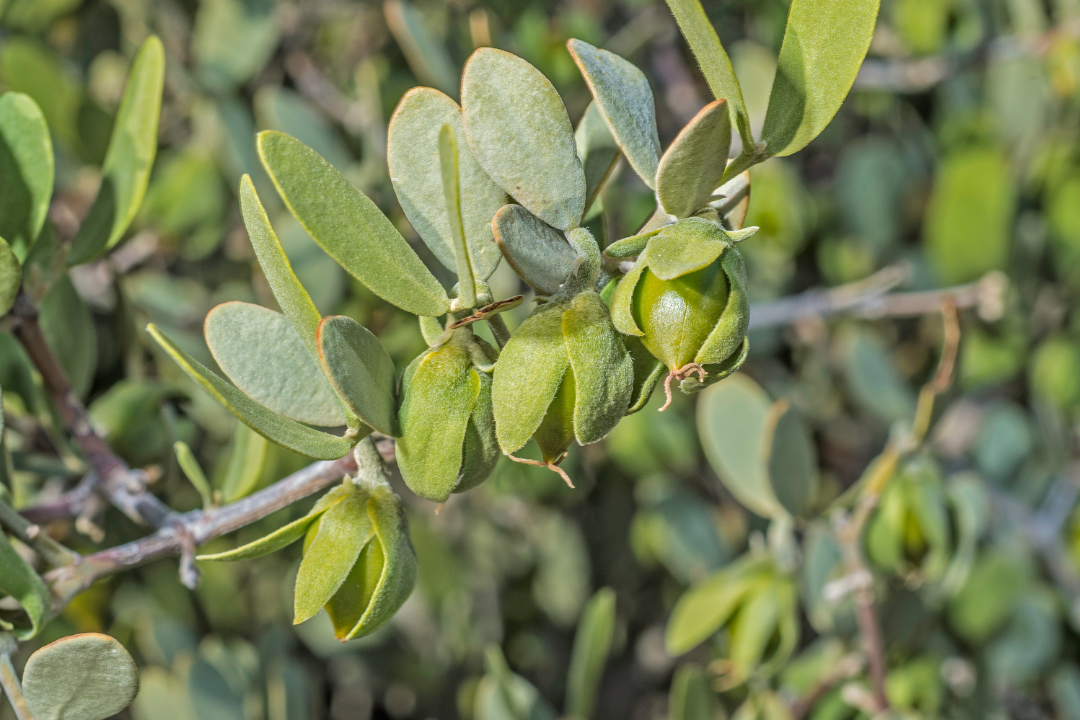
(359, 563)
(447, 442)
(685, 298)
(910, 529)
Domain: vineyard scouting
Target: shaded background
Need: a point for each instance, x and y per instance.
(956, 155)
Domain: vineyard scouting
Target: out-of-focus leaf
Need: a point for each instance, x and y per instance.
(824, 46)
(69, 329)
(161, 695)
(129, 416)
(285, 432)
(538, 252)
(691, 697)
(994, 588)
(598, 152)
(26, 171)
(520, 133)
(968, 223)
(592, 643)
(34, 15)
(290, 113)
(707, 606)
(792, 459)
(360, 371)
(132, 147)
(425, 53)
(349, 226)
(232, 39)
(29, 67)
(10, 277)
(971, 515)
(873, 378)
(502, 695)
(19, 581)
(189, 464)
(412, 140)
(621, 92)
(81, 677)
(1031, 642)
(246, 460)
(692, 166)
(1065, 690)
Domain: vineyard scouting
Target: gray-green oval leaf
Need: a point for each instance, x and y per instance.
(622, 94)
(360, 371)
(824, 46)
(262, 354)
(538, 252)
(26, 171)
(691, 169)
(520, 133)
(81, 677)
(412, 153)
(597, 150)
(349, 226)
(126, 170)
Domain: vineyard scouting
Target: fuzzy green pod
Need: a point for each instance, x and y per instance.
(685, 298)
(359, 563)
(447, 441)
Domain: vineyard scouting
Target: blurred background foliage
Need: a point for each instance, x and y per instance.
(957, 154)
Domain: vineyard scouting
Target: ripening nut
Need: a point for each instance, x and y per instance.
(359, 563)
(685, 297)
(447, 442)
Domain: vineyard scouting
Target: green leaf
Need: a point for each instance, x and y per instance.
(727, 342)
(691, 245)
(791, 459)
(733, 425)
(68, 327)
(349, 226)
(968, 225)
(714, 62)
(448, 163)
(342, 532)
(621, 92)
(81, 677)
(527, 376)
(707, 606)
(631, 246)
(412, 140)
(647, 372)
(259, 350)
(246, 460)
(26, 171)
(752, 629)
(481, 444)
(284, 432)
(288, 291)
(694, 163)
(10, 277)
(598, 152)
(19, 581)
(425, 53)
(502, 695)
(520, 133)
(692, 698)
(189, 464)
(360, 371)
(592, 644)
(603, 370)
(538, 252)
(126, 170)
(824, 46)
(438, 396)
(283, 536)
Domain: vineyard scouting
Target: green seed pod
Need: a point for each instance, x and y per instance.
(685, 298)
(359, 563)
(447, 442)
(910, 530)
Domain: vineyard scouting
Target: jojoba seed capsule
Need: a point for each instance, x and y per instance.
(556, 431)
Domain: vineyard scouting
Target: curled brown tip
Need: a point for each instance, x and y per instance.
(439, 509)
(550, 466)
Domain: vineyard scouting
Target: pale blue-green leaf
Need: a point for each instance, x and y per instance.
(792, 459)
(527, 376)
(694, 163)
(291, 113)
(284, 432)
(26, 171)
(598, 152)
(824, 46)
(603, 370)
(360, 371)
(621, 92)
(734, 203)
(502, 695)
(438, 397)
(592, 644)
(10, 277)
(520, 133)
(451, 182)
(538, 252)
(246, 460)
(232, 40)
(343, 531)
(691, 245)
(425, 53)
(349, 226)
(126, 170)
(732, 421)
(19, 581)
(412, 149)
(80, 677)
(260, 351)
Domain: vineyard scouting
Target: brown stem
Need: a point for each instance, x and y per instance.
(870, 630)
(191, 529)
